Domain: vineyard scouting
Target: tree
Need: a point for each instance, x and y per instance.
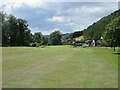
(38, 37)
(23, 32)
(55, 38)
(12, 28)
(15, 32)
(68, 41)
(4, 25)
(5, 34)
(112, 33)
(44, 40)
(76, 34)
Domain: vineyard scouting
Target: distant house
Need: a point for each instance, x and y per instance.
(99, 42)
(87, 42)
(90, 42)
(94, 42)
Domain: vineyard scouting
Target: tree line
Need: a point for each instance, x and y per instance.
(15, 32)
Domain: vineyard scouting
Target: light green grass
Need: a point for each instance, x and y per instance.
(59, 46)
(59, 67)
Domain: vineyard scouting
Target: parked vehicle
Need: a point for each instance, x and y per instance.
(85, 45)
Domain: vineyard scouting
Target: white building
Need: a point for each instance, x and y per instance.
(93, 43)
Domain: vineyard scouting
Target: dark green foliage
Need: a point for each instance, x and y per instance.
(55, 38)
(67, 41)
(76, 34)
(45, 40)
(35, 44)
(96, 30)
(32, 44)
(38, 37)
(112, 33)
(15, 32)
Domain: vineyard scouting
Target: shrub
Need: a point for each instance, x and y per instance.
(37, 44)
(34, 44)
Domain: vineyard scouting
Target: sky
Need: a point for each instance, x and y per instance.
(66, 17)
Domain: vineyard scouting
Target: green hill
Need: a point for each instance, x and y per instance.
(96, 30)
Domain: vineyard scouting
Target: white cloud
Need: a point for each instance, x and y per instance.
(44, 32)
(9, 5)
(56, 18)
(68, 16)
(56, 29)
(82, 10)
(34, 29)
(79, 28)
(91, 9)
(70, 24)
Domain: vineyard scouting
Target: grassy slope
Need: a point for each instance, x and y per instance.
(53, 67)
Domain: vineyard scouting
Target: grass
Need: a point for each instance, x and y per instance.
(59, 67)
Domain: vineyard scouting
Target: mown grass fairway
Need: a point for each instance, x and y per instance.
(59, 67)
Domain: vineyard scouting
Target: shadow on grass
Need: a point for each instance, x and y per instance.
(117, 53)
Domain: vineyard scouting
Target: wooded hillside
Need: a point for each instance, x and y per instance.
(96, 30)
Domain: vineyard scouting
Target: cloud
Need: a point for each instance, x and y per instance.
(9, 5)
(34, 29)
(46, 17)
(70, 24)
(18, 3)
(84, 8)
(91, 9)
(79, 28)
(56, 18)
(44, 32)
